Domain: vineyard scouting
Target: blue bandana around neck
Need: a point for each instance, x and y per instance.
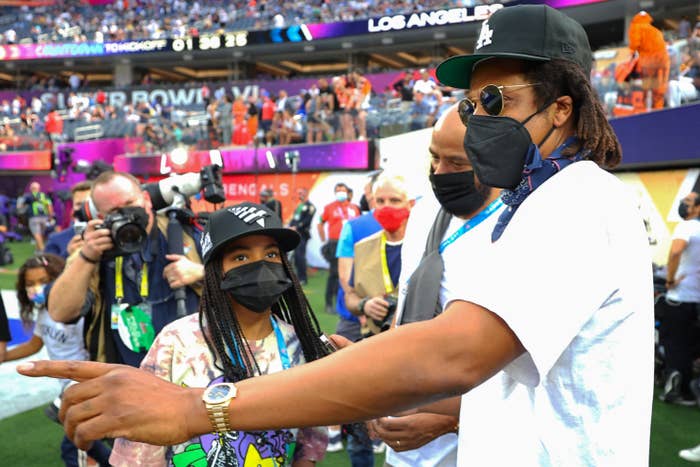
(536, 172)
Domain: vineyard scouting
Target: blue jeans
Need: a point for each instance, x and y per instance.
(98, 451)
(360, 450)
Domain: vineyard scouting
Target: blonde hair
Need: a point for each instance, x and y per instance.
(395, 181)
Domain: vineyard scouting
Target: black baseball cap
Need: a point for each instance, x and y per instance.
(244, 219)
(526, 32)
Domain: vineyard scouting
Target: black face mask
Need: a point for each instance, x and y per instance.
(683, 210)
(457, 192)
(498, 148)
(256, 286)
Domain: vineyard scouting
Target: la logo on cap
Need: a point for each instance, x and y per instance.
(485, 35)
(250, 214)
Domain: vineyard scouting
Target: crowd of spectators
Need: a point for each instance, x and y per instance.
(78, 21)
(339, 108)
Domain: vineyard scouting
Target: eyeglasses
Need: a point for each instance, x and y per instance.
(490, 98)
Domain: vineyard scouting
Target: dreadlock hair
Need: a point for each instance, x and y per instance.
(53, 265)
(222, 331)
(564, 78)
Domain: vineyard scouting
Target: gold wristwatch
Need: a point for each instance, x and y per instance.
(216, 399)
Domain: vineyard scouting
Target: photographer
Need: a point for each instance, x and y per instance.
(65, 242)
(378, 257)
(124, 298)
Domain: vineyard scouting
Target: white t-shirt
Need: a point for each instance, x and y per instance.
(426, 86)
(442, 451)
(688, 273)
(571, 276)
(62, 341)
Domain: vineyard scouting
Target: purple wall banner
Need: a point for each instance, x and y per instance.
(103, 149)
(25, 160)
(350, 155)
(659, 139)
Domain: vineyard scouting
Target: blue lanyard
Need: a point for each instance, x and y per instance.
(281, 346)
(471, 223)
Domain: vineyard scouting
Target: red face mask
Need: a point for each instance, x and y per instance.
(391, 218)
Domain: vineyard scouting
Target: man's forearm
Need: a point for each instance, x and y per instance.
(352, 301)
(473, 347)
(345, 265)
(68, 293)
(449, 407)
(672, 267)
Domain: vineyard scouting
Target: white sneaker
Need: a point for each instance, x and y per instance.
(378, 446)
(335, 441)
(692, 454)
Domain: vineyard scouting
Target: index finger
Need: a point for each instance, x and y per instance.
(70, 369)
(390, 424)
(173, 257)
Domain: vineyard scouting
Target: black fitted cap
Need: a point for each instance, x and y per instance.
(527, 32)
(244, 219)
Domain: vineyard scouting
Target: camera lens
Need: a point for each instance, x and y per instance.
(129, 237)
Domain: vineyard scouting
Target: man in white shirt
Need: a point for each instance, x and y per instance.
(430, 440)
(678, 332)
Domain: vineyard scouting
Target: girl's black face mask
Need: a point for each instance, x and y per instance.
(257, 286)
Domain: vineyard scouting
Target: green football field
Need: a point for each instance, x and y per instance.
(29, 439)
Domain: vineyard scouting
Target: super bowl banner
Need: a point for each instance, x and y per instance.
(189, 96)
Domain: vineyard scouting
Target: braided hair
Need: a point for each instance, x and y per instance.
(222, 331)
(565, 78)
(53, 265)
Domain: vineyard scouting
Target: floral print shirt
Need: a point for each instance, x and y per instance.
(180, 355)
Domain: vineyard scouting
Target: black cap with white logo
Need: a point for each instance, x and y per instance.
(525, 32)
(244, 219)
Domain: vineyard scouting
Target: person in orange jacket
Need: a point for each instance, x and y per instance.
(654, 62)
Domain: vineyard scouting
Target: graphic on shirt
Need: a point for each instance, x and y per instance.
(238, 448)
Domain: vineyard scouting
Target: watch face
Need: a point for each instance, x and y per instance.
(219, 392)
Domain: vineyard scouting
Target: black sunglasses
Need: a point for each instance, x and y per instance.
(490, 98)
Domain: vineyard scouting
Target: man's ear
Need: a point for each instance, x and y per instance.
(563, 110)
(147, 203)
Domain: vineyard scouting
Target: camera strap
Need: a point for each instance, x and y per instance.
(386, 275)
(119, 279)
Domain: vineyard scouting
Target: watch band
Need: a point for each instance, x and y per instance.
(217, 398)
(361, 305)
(218, 416)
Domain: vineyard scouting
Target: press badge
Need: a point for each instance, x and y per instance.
(135, 327)
(116, 310)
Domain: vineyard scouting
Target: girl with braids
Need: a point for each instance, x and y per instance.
(253, 320)
(63, 341)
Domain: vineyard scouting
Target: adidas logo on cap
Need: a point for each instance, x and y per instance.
(250, 214)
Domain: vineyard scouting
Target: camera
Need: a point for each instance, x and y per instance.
(79, 227)
(127, 227)
(208, 180)
(384, 324)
